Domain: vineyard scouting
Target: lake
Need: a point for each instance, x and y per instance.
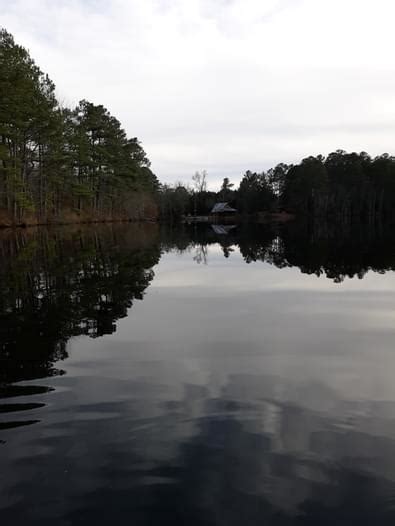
(197, 375)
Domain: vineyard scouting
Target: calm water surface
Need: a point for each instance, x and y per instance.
(198, 377)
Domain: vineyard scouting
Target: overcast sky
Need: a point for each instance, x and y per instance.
(223, 85)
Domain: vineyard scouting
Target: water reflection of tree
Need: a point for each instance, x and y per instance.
(338, 253)
(334, 253)
(59, 284)
(200, 254)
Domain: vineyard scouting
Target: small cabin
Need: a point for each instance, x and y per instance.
(223, 208)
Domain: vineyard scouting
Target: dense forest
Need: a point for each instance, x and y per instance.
(63, 164)
(73, 165)
(340, 187)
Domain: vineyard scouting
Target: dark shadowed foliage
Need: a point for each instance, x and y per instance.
(59, 164)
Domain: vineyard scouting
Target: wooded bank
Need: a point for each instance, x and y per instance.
(59, 164)
(71, 165)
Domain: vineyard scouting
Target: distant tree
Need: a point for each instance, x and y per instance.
(305, 184)
(254, 193)
(276, 178)
(226, 190)
(199, 180)
(174, 201)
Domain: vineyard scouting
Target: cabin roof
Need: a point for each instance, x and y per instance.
(222, 207)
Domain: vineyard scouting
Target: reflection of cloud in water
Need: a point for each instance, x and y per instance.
(255, 444)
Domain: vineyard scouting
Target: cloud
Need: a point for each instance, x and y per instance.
(225, 85)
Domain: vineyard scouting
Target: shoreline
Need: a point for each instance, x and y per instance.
(31, 224)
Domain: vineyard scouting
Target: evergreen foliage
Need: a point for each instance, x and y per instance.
(342, 186)
(57, 161)
(54, 159)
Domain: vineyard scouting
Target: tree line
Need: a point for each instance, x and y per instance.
(341, 186)
(59, 162)
(78, 164)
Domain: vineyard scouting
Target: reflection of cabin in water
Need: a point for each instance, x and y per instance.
(222, 229)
